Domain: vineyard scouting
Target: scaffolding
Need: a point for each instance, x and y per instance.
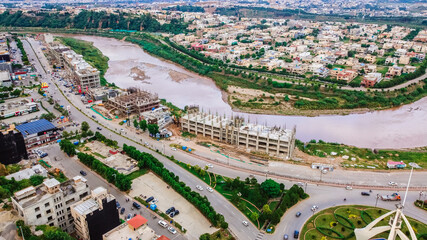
(133, 101)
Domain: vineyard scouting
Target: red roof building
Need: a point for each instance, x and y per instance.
(137, 221)
(163, 237)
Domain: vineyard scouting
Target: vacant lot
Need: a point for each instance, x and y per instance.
(190, 218)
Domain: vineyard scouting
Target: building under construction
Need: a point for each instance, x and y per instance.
(134, 101)
(274, 141)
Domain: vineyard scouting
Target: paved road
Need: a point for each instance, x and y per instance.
(323, 196)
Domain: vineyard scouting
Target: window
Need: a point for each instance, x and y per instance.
(51, 224)
(49, 218)
(37, 209)
(38, 216)
(48, 211)
(46, 204)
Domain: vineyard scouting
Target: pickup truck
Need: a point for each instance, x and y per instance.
(392, 197)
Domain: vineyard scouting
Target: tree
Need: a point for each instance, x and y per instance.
(36, 180)
(224, 225)
(266, 209)
(68, 147)
(135, 123)
(85, 126)
(153, 129)
(254, 216)
(143, 125)
(65, 134)
(271, 188)
(286, 98)
(48, 116)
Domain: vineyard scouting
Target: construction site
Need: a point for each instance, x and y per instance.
(253, 138)
(133, 101)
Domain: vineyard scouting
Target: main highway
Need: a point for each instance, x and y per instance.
(321, 195)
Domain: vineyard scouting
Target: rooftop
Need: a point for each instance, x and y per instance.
(137, 221)
(125, 232)
(35, 127)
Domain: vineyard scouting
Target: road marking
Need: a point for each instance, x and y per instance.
(260, 236)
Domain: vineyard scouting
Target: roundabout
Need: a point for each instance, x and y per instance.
(341, 221)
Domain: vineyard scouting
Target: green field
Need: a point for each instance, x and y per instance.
(340, 222)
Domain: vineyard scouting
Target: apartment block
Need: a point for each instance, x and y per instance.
(235, 131)
(370, 79)
(85, 75)
(50, 202)
(91, 212)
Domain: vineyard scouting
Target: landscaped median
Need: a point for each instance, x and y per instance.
(264, 204)
(339, 223)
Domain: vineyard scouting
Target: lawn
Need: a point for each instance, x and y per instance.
(137, 174)
(348, 217)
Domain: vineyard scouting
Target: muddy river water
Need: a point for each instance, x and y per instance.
(130, 66)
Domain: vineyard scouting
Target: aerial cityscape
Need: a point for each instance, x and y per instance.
(213, 120)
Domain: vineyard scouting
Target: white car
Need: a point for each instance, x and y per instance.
(173, 149)
(245, 223)
(199, 187)
(209, 189)
(209, 165)
(163, 224)
(154, 201)
(172, 230)
(392, 184)
(349, 187)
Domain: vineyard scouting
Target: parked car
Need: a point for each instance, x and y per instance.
(122, 210)
(99, 128)
(209, 189)
(176, 212)
(392, 184)
(154, 201)
(83, 173)
(93, 116)
(117, 205)
(172, 214)
(349, 187)
(365, 194)
(245, 223)
(298, 214)
(172, 230)
(136, 205)
(128, 217)
(296, 234)
(149, 199)
(286, 237)
(163, 223)
(209, 165)
(171, 209)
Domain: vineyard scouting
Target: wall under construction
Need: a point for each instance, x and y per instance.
(271, 140)
(134, 101)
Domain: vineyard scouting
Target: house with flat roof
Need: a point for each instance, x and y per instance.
(135, 228)
(38, 132)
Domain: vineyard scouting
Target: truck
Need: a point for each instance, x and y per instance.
(392, 197)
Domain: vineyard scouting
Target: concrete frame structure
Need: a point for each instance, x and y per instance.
(271, 140)
(134, 101)
(50, 202)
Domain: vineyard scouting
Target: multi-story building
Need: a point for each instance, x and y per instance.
(370, 79)
(84, 74)
(50, 202)
(12, 147)
(273, 141)
(91, 212)
(56, 51)
(38, 132)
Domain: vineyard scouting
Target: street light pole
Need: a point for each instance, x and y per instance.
(22, 233)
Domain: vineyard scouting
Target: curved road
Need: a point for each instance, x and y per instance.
(323, 196)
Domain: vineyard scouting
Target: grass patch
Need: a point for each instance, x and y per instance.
(137, 174)
(99, 155)
(325, 220)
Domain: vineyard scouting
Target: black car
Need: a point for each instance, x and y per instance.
(122, 210)
(136, 205)
(365, 194)
(176, 212)
(172, 214)
(296, 234)
(171, 209)
(99, 128)
(298, 214)
(83, 173)
(149, 199)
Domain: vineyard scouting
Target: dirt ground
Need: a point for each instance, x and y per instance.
(7, 224)
(138, 74)
(121, 162)
(178, 76)
(190, 218)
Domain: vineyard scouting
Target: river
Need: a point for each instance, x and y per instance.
(403, 127)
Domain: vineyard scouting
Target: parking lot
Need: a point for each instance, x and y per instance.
(190, 218)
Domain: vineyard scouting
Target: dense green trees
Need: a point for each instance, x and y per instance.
(49, 233)
(143, 125)
(153, 129)
(106, 141)
(68, 147)
(90, 20)
(120, 180)
(146, 160)
(271, 187)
